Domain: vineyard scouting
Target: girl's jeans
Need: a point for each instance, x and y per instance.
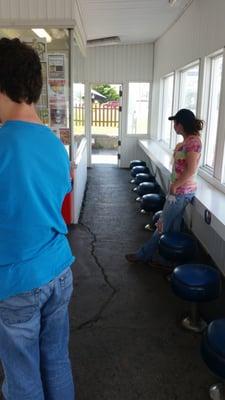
(171, 218)
(34, 335)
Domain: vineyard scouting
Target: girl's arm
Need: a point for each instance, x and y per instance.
(192, 159)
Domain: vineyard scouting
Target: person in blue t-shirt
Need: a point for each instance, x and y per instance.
(35, 256)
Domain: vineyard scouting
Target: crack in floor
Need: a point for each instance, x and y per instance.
(106, 279)
(98, 315)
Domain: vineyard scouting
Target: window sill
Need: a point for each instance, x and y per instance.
(210, 179)
(159, 155)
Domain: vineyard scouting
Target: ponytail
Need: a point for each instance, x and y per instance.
(199, 123)
(193, 127)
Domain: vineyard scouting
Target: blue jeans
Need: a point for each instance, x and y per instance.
(171, 218)
(34, 335)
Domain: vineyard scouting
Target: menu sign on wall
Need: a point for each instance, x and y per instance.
(57, 95)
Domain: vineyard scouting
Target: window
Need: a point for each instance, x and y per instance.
(189, 88)
(167, 105)
(138, 108)
(213, 102)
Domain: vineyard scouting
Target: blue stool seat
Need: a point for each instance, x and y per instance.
(196, 282)
(213, 347)
(152, 202)
(135, 163)
(139, 170)
(177, 247)
(142, 177)
(156, 217)
(147, 188)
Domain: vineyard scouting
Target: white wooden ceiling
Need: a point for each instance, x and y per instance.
(134, 21)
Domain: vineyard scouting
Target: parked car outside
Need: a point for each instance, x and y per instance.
(111, 104)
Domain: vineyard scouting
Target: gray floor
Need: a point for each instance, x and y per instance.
(126, 341)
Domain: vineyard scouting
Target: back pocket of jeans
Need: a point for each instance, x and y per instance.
(18, 315)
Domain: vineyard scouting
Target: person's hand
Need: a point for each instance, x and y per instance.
(159, 226)
(72, 165)
(173, 188)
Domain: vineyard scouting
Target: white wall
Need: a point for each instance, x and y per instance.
(115, 64)
(80, 179)
(199, 32)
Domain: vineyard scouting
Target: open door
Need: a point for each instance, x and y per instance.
(135, 120)
(106, 110)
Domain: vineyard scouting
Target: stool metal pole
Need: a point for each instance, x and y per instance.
(194, 322)
(216, 392)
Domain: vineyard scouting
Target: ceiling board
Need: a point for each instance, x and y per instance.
(133, 21)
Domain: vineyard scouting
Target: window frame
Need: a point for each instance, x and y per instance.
(217, 179)
(205, 170)
(163, 79)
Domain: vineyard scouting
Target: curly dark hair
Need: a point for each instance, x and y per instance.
(20, 71)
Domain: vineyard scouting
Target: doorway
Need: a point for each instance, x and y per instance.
(105, 123)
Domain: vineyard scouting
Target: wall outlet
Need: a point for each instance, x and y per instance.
(208, 217)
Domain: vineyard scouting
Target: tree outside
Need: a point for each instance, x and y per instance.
(108, 91)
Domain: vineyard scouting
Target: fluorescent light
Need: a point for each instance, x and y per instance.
(172, 2)
(41, 33)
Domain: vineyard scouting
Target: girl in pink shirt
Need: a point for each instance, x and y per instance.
(182, 182)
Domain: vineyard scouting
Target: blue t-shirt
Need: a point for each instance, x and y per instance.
(34, 179)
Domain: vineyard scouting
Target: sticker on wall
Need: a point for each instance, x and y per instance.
(57, 88)
(58, 115)
(65, 135)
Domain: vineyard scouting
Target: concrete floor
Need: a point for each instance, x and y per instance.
(126, 341)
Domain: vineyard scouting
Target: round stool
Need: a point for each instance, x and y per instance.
(152, 202)
(213, 353)
(139, 178)
(135, 163)
(177, 247)
(139, 170)
(195, 283)
(155, 218)
(146, 188)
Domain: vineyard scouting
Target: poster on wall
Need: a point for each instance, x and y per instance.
(42, 105)
(56, 87)
(57, 96)
(65, 135)
(58, 115)
(56, 66)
